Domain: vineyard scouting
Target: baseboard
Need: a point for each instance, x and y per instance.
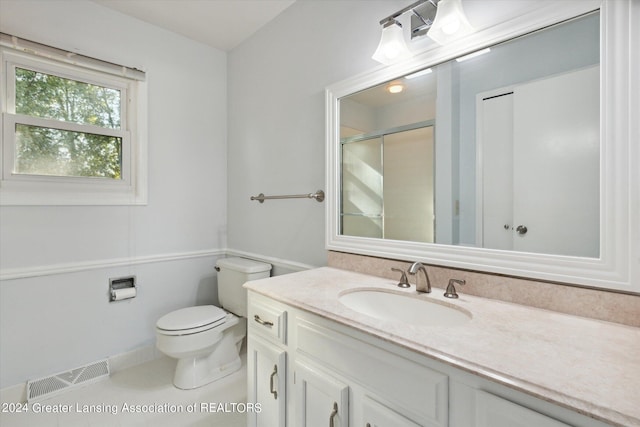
(140, 355)
(14, 394)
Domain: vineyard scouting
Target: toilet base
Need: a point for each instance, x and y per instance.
(194, 372)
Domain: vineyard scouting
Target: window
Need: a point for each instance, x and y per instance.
(71, 134)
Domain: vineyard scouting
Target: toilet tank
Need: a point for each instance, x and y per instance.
(232, 274)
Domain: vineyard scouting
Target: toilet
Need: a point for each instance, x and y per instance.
(207, 339)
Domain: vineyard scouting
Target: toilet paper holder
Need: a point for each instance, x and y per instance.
(122, 288)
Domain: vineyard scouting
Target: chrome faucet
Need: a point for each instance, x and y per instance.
(415, 267)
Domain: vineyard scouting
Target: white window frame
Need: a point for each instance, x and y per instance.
(29, 189)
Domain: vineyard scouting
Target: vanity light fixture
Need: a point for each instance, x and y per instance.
(450, 23)
(392, 47)
(441, 20)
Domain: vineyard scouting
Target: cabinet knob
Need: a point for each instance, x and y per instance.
(521, 229)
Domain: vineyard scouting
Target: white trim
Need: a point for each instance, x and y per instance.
(74, 267)
(137, 356)
(48, 270)
(615, 267)
(71, 58)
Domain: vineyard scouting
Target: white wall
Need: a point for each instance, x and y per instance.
(276, 120)
(59, 321)
(276, 113)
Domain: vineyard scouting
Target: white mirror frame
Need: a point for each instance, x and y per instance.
(617, 268)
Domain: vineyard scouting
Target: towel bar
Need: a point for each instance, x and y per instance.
(318, 195)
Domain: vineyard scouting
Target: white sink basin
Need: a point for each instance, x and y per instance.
(414, 310)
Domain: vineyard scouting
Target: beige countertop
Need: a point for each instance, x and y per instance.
(589, 366)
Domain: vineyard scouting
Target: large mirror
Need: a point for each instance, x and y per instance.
(499, 149)
(490, 160)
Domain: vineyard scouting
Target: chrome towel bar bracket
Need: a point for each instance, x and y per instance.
(318, 195)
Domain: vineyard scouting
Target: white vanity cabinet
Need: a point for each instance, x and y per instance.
(332, 375)
(324, 377)
(383, 387)
(267, 364)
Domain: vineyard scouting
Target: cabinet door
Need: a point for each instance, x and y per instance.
(266, 373)
(375, 414)
(493, 411)
(321, 400)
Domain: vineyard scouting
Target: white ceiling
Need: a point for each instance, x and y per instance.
(222, 24)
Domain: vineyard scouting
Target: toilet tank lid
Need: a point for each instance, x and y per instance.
(243, 265)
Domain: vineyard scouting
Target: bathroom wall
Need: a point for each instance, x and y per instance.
(276, 112)
(276, 120)
(56, 260)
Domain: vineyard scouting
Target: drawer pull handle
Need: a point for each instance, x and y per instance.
(333, 414)
(273, 374)
(262, 322)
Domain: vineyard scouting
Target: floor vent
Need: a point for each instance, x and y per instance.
(47, 387)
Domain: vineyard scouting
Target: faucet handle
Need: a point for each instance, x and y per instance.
(403, 283)
(451, 289)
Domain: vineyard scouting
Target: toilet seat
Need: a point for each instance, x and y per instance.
(192, 320)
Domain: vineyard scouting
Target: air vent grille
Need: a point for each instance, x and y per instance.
(47, 387)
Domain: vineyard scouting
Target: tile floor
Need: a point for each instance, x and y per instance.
(139, 388)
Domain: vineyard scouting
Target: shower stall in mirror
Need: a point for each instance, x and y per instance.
(388, 183)
(387, 147)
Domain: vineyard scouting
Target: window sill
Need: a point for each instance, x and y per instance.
(49, 194)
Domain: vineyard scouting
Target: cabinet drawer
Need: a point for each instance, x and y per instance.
(268, 320)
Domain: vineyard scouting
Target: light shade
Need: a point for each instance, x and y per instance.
(392, 47)
(450, 22)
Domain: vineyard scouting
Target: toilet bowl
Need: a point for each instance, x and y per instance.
(207, 339)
